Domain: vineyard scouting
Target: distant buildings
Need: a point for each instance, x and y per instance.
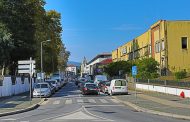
(91, 67)
(71, 69)
(166, 41)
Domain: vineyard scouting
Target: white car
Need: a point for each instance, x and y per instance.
(42, 89)
(54, 83)
(118, 86)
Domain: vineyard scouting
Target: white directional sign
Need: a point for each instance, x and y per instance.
(26, 66)
(27, 62)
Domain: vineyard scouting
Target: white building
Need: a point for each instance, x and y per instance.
(71, 69)
(91, 66)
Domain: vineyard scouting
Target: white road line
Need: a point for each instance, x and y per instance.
(103, 101)
(10, 119)
(114, 100)
(68, 101)
(56, 102)
(80, 101)
(91, 100)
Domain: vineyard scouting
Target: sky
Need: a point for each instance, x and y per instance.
(91, 27)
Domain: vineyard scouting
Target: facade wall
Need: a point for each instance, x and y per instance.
(178, 58)
(163, 42)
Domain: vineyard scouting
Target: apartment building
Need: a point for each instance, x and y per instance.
(165, 41)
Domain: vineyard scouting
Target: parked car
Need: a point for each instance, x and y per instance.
(104, 86)
(80, 81)
(42, 89)
(54, 83)
(118, 86)
(90, 88)
(99, 78)
(84, 82)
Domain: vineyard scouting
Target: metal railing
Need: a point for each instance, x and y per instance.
(165, 83)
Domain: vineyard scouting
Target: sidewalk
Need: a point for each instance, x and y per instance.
(17, 104)
(157, 103)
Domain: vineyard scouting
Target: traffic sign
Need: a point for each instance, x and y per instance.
(27, 62)
(134, 70)
(26, 66)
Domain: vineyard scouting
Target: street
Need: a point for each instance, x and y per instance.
(69, 105)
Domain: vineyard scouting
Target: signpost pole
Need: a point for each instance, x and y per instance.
(30, 80)
(134, 74)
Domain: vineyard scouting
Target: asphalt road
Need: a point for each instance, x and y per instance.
(68, 105)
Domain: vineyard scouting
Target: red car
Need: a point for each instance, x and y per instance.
(90, 88)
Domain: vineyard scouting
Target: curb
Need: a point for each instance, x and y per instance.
(32, 107)
(141, 109)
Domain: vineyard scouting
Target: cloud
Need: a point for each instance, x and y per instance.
(127, 27)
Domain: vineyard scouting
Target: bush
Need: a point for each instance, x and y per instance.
(180, 74)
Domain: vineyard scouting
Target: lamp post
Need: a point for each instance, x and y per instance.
(42, 55)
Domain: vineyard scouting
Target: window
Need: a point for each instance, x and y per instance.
(184, 42)
(120, 83)
(163, 45)
(150, 49)
(157, 47)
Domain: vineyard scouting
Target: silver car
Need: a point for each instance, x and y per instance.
(42, 89)
(54, 83)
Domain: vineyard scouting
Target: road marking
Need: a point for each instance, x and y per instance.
(77, 116)
(80, 101)
(115, 101)
(56, 102)
(68, 101)
(103, 101)
(91, 100)
(103, 105)
(10, 119)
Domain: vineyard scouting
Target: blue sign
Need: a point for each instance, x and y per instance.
(134, 70)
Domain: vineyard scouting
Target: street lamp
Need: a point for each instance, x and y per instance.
(42, 55)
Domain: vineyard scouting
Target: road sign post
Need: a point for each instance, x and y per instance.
(134, 74)
(27, 67)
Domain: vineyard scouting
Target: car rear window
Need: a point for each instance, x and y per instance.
(42, 86)
(120, 83)
(91, 86)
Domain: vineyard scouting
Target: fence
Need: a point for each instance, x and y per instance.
(12, 86)
(169, 83)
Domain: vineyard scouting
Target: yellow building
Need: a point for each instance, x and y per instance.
(165, 41)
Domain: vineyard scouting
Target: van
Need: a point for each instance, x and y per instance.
(118, 86)
(99, 78)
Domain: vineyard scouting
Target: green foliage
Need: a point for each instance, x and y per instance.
(147, 68)
(114, 68)
(180, 74)
(6, 45)
(25, 25)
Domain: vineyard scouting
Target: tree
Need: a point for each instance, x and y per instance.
(19, 18)
(147, 68)
(114, 68)
(6, 46)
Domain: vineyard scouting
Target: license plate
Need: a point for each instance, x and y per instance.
(118, 87)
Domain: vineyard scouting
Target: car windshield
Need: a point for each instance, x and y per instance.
(120, 83)
(41, 86)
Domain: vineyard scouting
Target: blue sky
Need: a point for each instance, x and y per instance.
(95, 26)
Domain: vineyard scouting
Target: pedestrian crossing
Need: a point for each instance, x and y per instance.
(82, 101)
